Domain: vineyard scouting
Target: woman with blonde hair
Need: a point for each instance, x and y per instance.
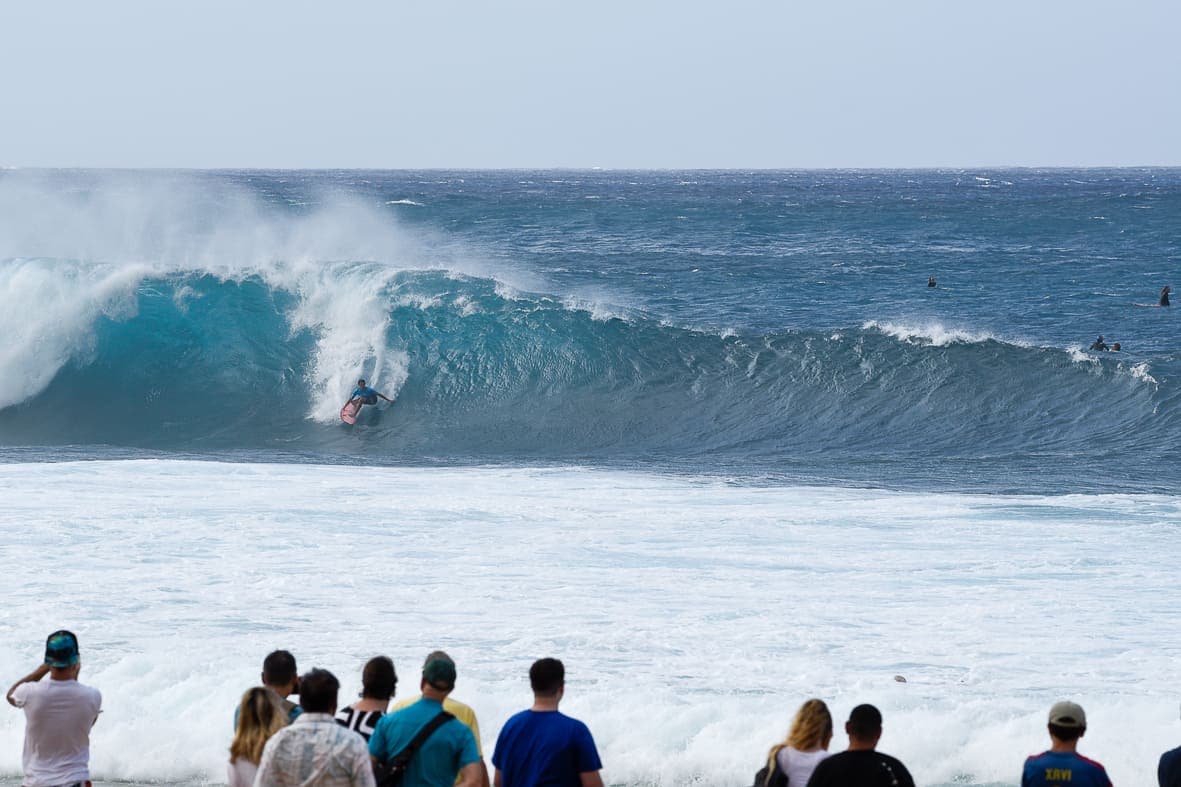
(806, 744)
(259, 717)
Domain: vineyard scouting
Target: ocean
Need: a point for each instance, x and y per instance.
(706, 436)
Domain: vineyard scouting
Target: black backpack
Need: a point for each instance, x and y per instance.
(770, 775)
(392, 772)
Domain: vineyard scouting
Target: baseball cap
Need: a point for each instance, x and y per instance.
(1068, 714)
(61, 649)
(439, 671)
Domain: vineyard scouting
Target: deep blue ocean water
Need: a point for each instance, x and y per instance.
(750, 324)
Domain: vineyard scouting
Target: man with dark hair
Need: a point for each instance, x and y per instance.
(1062, 765)
(449, 751)
(378, 680)
(542, 747)
(547, 677)
(59, 713)
(315, 751)
(363, 394)
(281, 677)
(861, 764)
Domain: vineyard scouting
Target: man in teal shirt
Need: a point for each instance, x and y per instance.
(448, 752)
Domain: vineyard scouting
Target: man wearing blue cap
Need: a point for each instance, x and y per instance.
(59, 713)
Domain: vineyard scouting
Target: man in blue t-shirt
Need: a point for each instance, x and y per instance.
(451, 748)
(541, 747)
(1062, 765)
(366, 395)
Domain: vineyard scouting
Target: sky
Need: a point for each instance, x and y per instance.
(642, 84)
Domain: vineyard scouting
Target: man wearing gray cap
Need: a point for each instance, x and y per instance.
(59, 713)
(1062, 765)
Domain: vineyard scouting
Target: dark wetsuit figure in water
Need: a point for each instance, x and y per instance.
(1164, 295)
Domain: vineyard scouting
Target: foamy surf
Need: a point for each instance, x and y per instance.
(693, 615)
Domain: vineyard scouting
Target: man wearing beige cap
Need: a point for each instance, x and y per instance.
(1062, 765)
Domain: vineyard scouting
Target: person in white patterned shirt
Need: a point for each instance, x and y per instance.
(315, 751)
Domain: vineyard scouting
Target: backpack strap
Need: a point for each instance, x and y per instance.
(427, 730)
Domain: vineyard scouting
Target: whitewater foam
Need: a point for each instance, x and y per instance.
(47, 313)
(345, 307)
(1141, 372)
(77, 253)
(694, 615)
(934, 334)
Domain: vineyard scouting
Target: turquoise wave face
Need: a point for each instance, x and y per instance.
(205, 364)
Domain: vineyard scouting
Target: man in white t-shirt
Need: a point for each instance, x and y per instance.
(59, 713)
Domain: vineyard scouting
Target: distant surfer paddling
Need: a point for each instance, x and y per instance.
(363, 395)
(1099, 344)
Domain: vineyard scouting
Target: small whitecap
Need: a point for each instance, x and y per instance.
(934, 334)
(1140, 372)
(182, 295)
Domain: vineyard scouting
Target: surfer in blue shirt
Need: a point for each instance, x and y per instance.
(363, 394)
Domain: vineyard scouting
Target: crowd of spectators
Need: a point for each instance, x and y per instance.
(433, 740)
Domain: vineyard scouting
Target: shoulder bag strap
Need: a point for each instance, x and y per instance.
(426, 732)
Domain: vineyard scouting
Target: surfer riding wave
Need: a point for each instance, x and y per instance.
(363, 395)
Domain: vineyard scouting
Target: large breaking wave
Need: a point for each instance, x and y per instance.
(195, 360)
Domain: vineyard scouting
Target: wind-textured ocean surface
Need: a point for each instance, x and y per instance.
(708, 436)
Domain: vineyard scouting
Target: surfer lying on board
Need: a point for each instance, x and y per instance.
(366, 395)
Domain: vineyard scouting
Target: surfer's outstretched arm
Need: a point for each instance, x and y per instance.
(383, 396)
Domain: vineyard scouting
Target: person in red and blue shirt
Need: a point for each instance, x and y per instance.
(1062, 765)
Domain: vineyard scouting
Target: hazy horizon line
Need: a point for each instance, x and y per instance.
(921, 168)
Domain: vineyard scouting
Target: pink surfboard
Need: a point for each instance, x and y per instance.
(348, 413)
